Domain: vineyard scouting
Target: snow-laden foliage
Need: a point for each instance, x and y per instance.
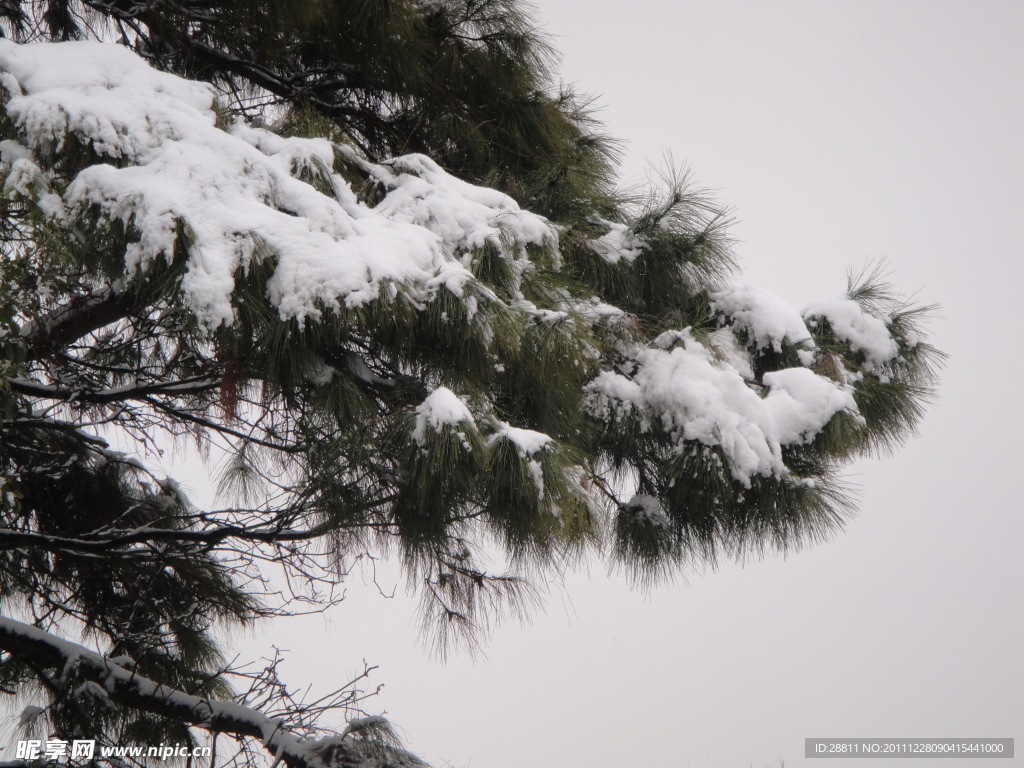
(168, 167)
(245, 194)
(375, 275)
(380, 356)
(679, 387)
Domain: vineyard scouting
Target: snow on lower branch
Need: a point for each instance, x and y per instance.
(125, 686)
(680, 388)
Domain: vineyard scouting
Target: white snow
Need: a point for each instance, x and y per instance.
(527, 441)
(528, 444)
(862, 331)
(20, 169)
(692, 396)
(801, 403)
(648, 510)
(806, 357)
(767, 319)
(441, 408)
(461, 214)
(594, 311)
(29, 715)
(236, 189)
(617, 244)
(727, 348)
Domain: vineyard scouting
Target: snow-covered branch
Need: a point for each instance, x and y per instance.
(62, 659)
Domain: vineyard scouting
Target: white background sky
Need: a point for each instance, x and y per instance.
(840, 133)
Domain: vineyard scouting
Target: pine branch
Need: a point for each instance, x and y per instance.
(138, 391)
(111, 541)
(82, 315)
(183, 415)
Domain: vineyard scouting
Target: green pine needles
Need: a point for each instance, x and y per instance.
(378, 278)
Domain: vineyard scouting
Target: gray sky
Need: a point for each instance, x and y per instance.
(840, 133)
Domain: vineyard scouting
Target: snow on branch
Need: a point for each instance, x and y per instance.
(122, 685)
(227, 199)
(166, 164)
(766, 318)
(679, 387)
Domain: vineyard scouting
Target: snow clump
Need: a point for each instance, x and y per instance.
(685, 391)
(767, 319)
(441, 408)
(863, 331)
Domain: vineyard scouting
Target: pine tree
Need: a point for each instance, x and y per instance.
(370, 263)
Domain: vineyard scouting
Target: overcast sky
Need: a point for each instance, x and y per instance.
(839, 133)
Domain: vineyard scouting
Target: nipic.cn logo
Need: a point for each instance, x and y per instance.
(52, 749)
